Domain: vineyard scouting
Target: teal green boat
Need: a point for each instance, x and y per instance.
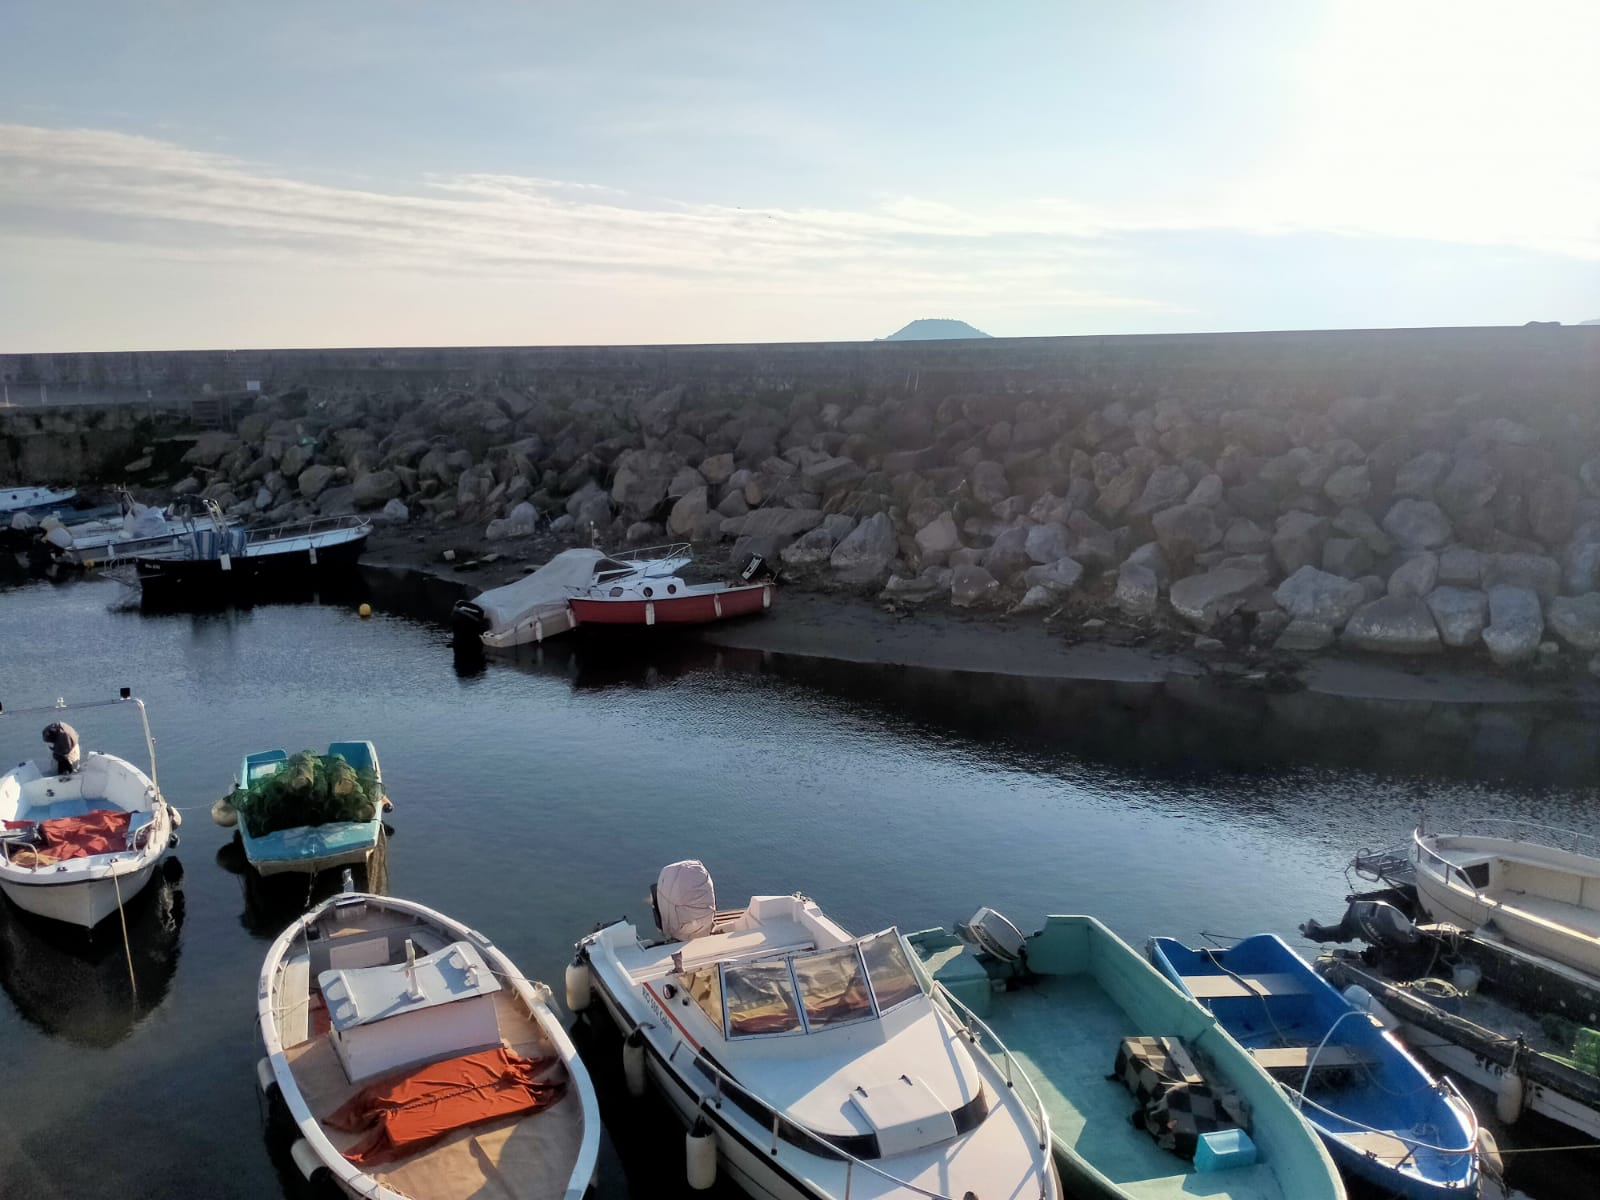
(1063, 1002)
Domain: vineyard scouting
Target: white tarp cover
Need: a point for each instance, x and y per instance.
(145, 521)
(553, 583)
(686, 900)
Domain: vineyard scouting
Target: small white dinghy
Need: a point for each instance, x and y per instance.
(1520, 881)
(807, 1063)
(80, 837)
(417, 1063)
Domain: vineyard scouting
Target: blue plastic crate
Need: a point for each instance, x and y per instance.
(1224, 1149)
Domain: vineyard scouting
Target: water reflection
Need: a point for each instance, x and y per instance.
(272, 901)
(76, 986)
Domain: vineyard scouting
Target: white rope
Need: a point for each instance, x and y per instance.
(127, 949)
(1414, 1143)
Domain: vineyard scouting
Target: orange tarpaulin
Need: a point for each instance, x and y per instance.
(406, 1113)
(103, 831)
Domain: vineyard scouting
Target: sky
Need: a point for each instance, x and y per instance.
(210, 174)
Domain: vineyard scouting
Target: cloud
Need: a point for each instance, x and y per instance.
(87, 184)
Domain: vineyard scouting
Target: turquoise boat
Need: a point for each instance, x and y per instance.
(1063, 1001)
(311, 848)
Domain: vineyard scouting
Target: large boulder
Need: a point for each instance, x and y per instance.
(1207, 598)
(1346, 557)
(1008, 556)
(1061, 576)
(1416, 576)
(393, 513)
(1048, 542)
(1138, 591)
(1393, 625)
(1419, 476)
(716, 468)
(938, 537)
(1460, 566)
(989, 484)
(687, 513)
(1092, 543)
(1516, 625)
(829, 474)
(1298, 540)
(1460, 613)
(972, 587)
(1358, 523)
(1349, 484)
(1417, 524)
(376, 488)
(1244, 536)
(210, 448)
(642, 479)
(1553, 508)
(1186, 530)
(865, 554)
(1471, 484)
(313, 480)
(297, 457)
(1319, 597)
(1580, 565)
(1537, 572)
(812, 548)
(1166, 486)
(1576, 621)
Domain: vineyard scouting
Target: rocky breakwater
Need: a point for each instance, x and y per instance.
(1381, 524)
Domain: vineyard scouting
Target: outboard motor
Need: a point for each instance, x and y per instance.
(684, 900)
(63, 742)
(996, 936)
(754, 567)
(1376, 922)
(467, 619)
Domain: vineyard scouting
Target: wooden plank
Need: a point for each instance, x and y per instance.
(1383, 1146)
(1217, 987)
(1282, 1058)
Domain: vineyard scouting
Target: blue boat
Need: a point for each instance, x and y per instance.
(311, 848)
(1385, 1119)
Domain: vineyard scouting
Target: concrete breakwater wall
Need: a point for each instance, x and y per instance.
(1406, 491)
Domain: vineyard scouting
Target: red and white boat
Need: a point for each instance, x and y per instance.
(663, 599)
(589, 587)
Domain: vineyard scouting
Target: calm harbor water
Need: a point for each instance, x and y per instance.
(536, 798)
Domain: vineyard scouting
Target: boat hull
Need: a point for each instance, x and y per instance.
(312, 848)
(84, 903)
(215, 575)
(692, 609)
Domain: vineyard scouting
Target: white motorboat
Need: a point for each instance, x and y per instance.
(33, 499)
(809, 1063)
(80, 837)
(536, 607)
(1519, 881)
(414, 1060)
(143, 530)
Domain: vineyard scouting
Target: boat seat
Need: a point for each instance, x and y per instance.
(74, 807)
(1383, 1146)
(1218, 987)
(294, 1021)
(1298, 1058)
(1553, 912)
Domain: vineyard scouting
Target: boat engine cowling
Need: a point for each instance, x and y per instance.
(685, 900)
(467, 618)
(1376, 922)
(995, 934)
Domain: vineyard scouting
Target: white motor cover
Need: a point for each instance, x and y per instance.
(145, 521)
(997, 935)
(22, 521)
(686, 900)
(59, 537)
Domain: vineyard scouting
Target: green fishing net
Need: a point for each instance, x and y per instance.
(309, 789)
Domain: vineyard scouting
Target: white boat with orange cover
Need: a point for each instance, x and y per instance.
(416, 1061)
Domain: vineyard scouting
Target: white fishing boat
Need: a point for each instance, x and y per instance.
(415, 1060)
(536, 607)
(140, 530)
(33, 499)
(808, 1063)
(80, 836)
(1536, 886)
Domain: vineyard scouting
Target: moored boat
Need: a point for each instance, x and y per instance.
(1520, 879)
(1385, 1119)
(414, 1060)
(1073, 1001)
(273, 847)
(84, 833)
(34, 499)
(228, 559)
(806, 1062)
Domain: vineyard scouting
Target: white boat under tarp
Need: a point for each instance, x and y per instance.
(535, 607)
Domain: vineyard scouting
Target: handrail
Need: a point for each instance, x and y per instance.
(63, 706)
(654, 553)
(829, 1149)
(971, 1019)
(1515, 827)
(307, 526)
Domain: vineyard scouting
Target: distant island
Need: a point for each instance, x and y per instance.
(1596, 321)
(935, 328)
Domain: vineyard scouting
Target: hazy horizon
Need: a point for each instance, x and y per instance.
(399, 175)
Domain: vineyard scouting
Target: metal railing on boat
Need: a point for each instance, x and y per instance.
(785, 1129)
(969, 1020)
(1511, 829)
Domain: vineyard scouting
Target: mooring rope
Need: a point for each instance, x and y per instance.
(127, 948)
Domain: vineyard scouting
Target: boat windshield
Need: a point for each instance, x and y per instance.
(810, 991)
(760, 998)
(705, 987)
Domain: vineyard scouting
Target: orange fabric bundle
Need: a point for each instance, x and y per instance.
(103, 831)
(406, 1113)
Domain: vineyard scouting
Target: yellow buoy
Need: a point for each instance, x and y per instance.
(365, 610)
